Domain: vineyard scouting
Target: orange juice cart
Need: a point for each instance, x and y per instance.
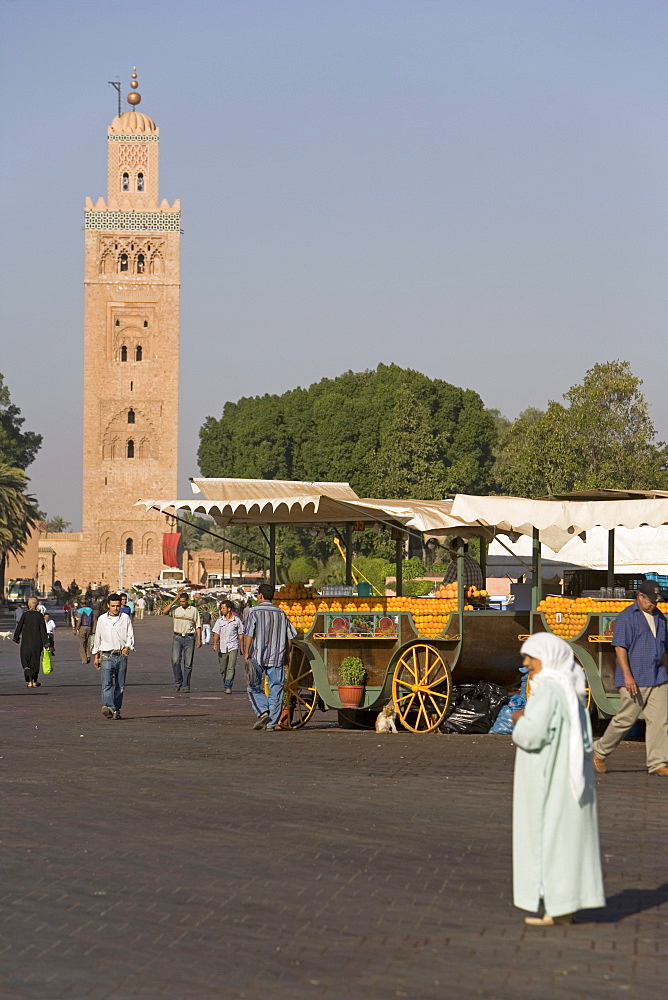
(585, 620)
(409, 646)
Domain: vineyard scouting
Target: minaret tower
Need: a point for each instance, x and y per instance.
(131, 357)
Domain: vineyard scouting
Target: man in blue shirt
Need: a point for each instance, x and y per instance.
(640, 639)
(84, 618)
(268, 632)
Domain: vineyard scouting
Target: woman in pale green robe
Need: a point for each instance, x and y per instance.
(556, 854)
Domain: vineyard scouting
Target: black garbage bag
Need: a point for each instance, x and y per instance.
(498, 697)
(474, 708)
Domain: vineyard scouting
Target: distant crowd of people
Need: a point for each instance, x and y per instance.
(255, 630)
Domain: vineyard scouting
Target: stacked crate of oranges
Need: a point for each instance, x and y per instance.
(567, 616)
(430, 615)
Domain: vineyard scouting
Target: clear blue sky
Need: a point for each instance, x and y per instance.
(473, 188)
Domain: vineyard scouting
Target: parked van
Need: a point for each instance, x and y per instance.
(170, 579)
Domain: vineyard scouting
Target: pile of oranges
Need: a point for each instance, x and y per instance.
(449, 590)
(567, 616)
(430, 615)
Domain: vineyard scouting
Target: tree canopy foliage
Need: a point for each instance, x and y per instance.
(18, 510)
(395, 432)
(57, 524)
(18, 514)
(392, 431)
(17, 447)
(603, 436)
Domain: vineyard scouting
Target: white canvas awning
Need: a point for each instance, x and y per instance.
(262, 502)
(558, 521)
(235, 490)
(637, 550)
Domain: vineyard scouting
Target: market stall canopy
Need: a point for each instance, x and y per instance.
(637, 550)
(558, 521)
(285, 502)
(234, 491)
(608, 494)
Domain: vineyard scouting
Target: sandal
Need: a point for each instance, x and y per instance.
(547, 921)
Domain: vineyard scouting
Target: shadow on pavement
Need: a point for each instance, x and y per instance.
(627, 904)
(23, 694)
(170, 715)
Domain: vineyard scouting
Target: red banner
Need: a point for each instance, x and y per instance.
(170, 548)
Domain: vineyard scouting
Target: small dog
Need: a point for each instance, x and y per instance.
(6, 635)
(385, 719)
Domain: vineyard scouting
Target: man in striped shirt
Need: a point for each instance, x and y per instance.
(268, 632)
(471, 572)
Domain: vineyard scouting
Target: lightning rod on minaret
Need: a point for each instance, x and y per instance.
(116, 84)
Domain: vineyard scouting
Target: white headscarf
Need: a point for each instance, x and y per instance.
(559, 665)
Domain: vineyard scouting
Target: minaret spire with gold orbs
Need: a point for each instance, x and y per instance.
(134, 97)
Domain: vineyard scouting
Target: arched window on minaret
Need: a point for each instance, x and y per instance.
(130, 449)
(129, 547)
(141, 263)
(138, 352)
(123, 262)
(131, 416)
(125, 182)
(140, 182)
(145, 323)
(124, 353)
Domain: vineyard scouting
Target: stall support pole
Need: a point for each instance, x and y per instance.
(399, 560)
(611, 558)
(272, 555)
(349, 555)
(536, 573)
(483, 562)
(461, 600)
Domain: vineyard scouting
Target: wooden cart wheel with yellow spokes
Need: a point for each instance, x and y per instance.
(300, 696)
(421, 688)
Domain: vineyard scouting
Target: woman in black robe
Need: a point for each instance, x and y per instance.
(31, 633)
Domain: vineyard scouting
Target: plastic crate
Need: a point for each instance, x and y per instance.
(658, 578)
(336, 590)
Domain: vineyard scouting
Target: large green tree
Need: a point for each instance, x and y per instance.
(601, 436)
(343, 429)
(17, 447)
(18, 514)
(18, 510)
(391, 432)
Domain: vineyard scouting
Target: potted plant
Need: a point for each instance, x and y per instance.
(351, 682)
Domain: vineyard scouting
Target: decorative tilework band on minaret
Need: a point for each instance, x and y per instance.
(131, 357)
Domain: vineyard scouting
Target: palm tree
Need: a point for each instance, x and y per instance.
(18, 514)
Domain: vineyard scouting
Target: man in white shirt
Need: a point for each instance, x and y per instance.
(114, 639)
(226, 632)
(50, 631)
(140, 607)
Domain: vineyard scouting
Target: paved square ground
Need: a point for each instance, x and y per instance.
(177, 854)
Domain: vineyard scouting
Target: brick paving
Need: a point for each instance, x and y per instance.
(179, 855)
